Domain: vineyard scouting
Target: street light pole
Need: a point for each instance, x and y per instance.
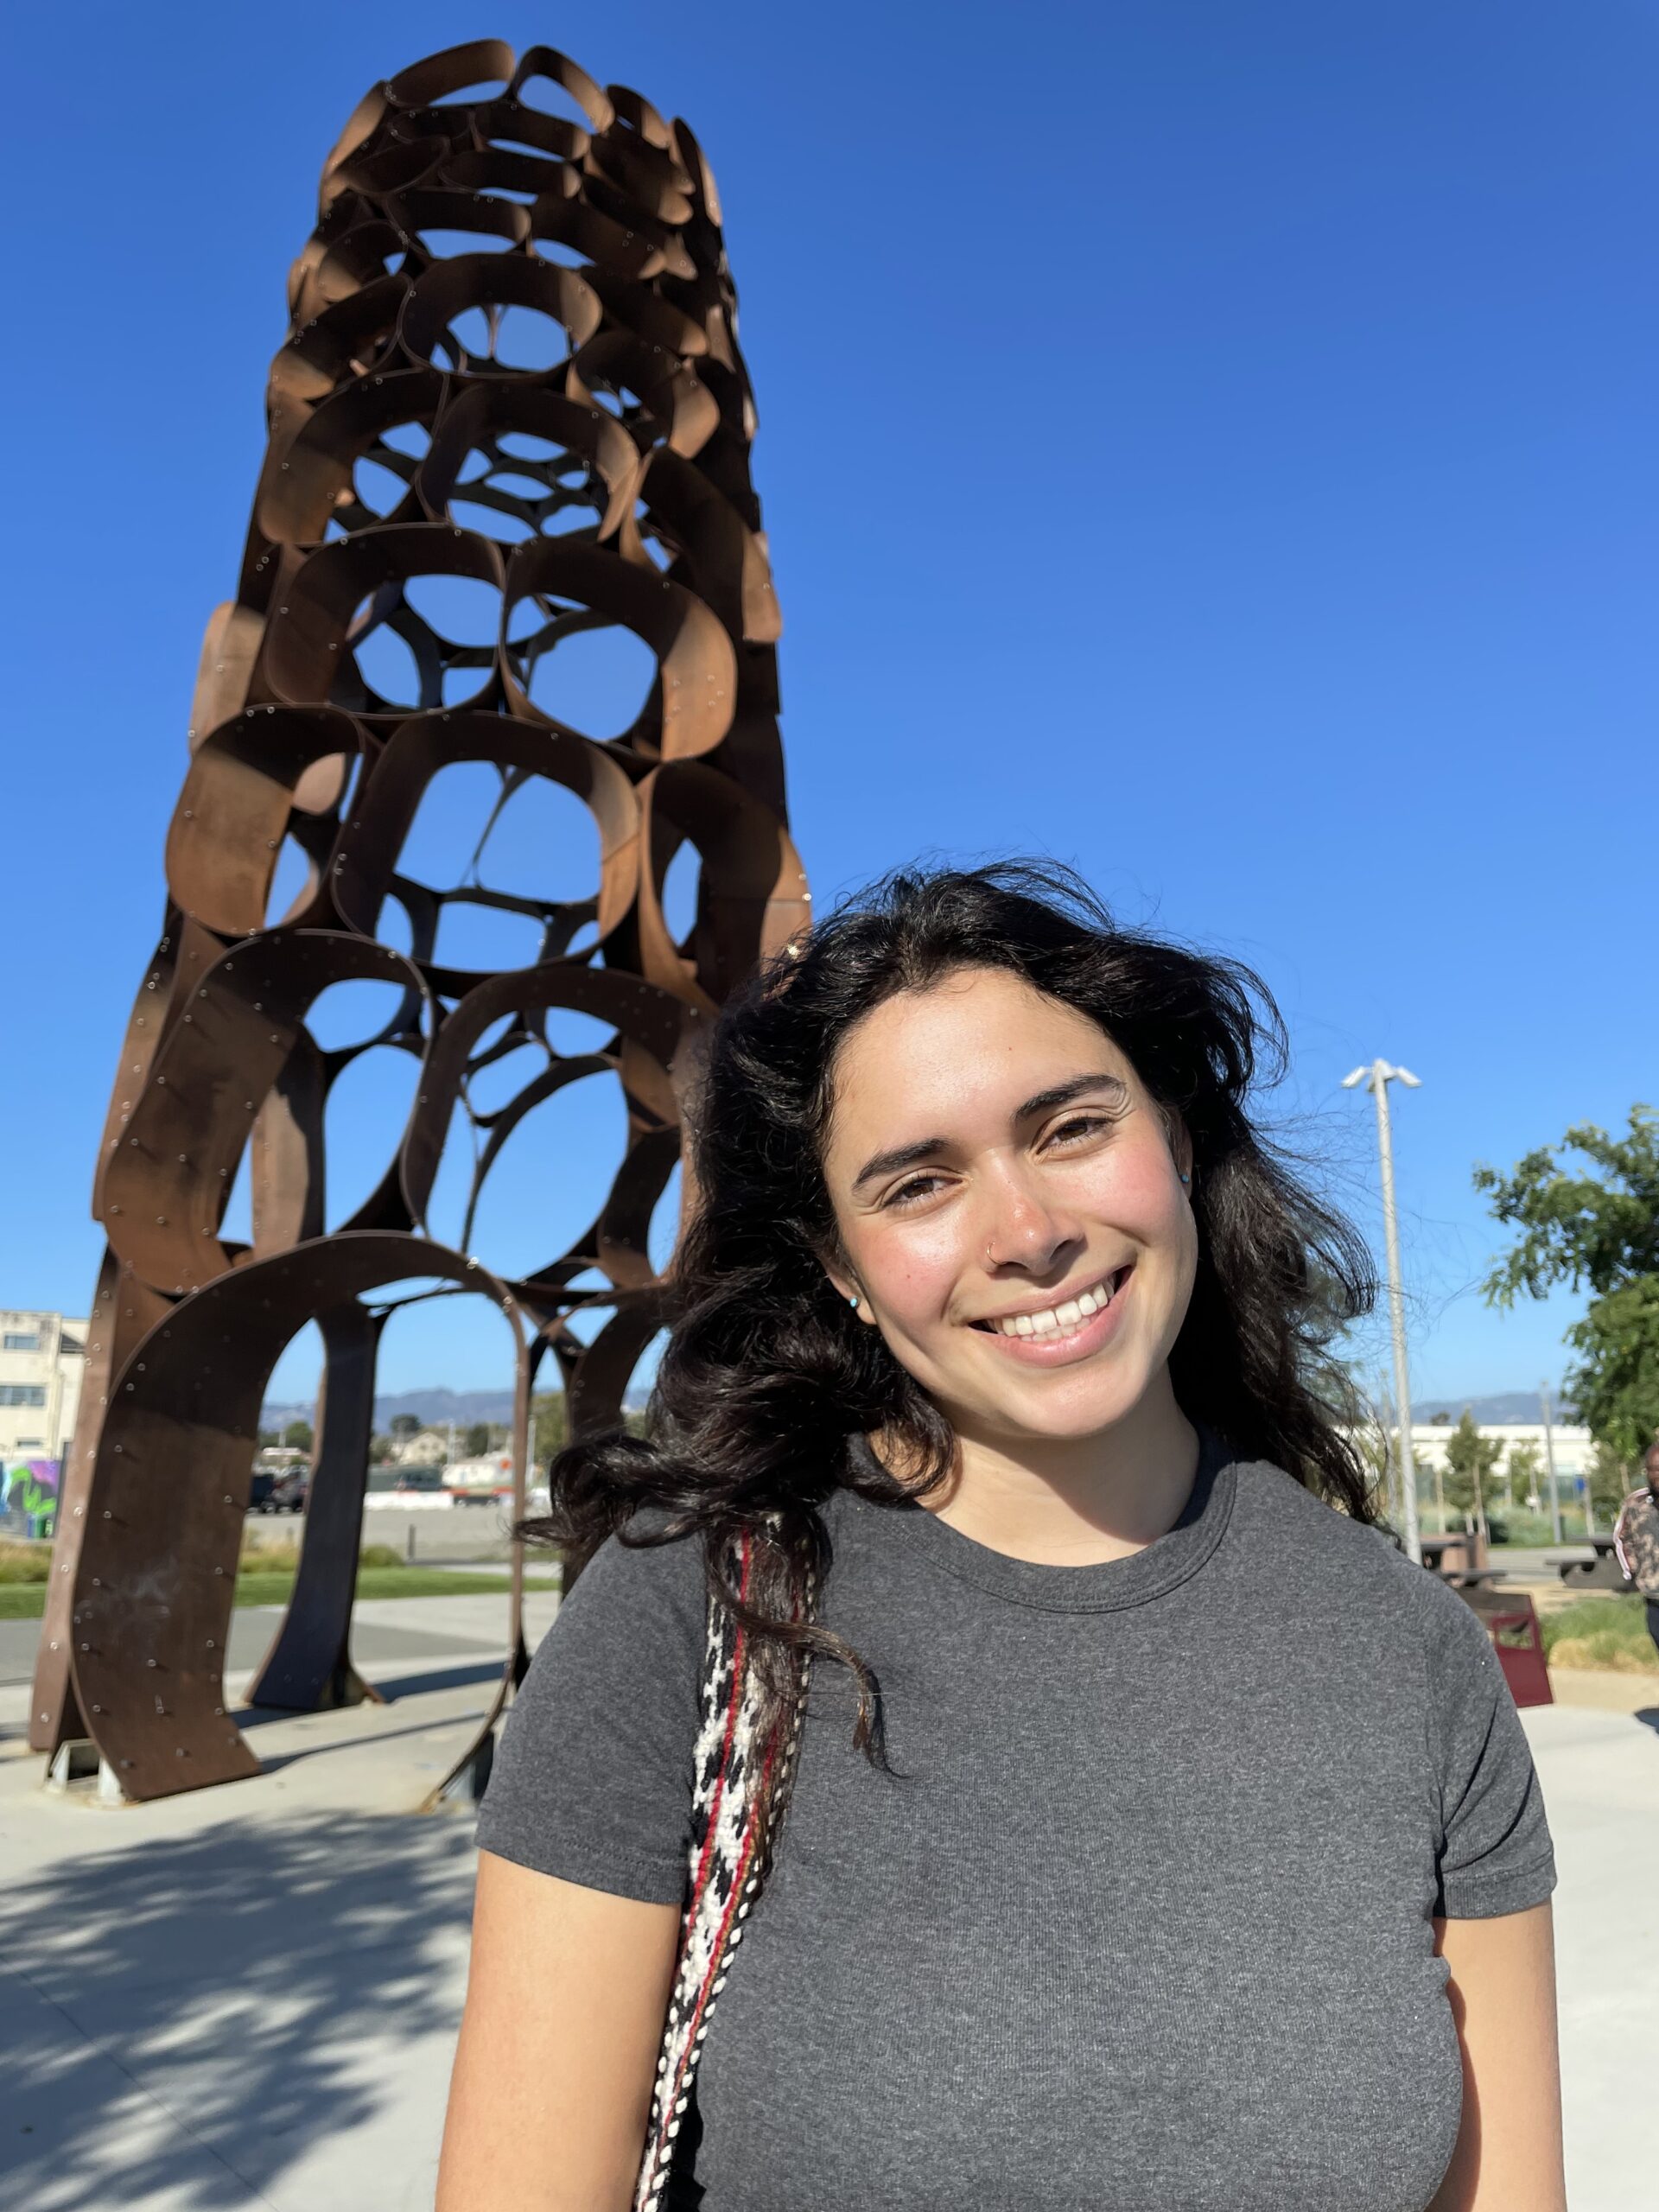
(1549, 1461)
(1396, 1497)
(1376, 1079)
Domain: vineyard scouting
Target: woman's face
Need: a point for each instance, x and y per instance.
(1012, 1217)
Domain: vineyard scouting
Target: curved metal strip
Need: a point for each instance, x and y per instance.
(163, 1525)
(308, 1665)
(168, 1173)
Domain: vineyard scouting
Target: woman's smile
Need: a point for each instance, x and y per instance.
(1067, 1329)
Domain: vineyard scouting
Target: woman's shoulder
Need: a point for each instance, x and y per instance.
(1306, 1537)
(592, 1774)
(642, 1574)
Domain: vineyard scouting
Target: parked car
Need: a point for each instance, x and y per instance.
(259, 1493)
(289, 1492)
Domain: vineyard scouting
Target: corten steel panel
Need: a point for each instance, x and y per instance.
(609, 490)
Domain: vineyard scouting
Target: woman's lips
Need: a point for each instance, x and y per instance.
(1061, 1349)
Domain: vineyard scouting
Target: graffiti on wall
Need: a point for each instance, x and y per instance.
(28, 1492)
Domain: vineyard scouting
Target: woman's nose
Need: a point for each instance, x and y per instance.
(1022, 1232)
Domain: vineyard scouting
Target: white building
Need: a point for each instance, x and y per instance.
(427, 1447)
(1573, 1447)
(42, 1359)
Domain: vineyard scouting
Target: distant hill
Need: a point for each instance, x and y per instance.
(432, 1409)
(1499, 1407)
(435, 1407)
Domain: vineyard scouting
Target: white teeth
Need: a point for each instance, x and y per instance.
(1058, 1319)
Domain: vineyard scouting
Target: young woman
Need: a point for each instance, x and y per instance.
(1159, 1839)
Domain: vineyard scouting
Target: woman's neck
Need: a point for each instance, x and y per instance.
(1076, 1501)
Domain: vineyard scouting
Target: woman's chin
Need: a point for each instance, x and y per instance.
(1060, 1408)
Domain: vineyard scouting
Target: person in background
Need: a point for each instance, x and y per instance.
(1636, 1538)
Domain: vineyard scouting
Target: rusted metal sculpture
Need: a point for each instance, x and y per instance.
(610, 488)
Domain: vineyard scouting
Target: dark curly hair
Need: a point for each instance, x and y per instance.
(769, 1389)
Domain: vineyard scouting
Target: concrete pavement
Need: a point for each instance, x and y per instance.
(248, 1997)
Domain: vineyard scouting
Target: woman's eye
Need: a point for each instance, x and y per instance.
(918, 1188)
(1076, 1126)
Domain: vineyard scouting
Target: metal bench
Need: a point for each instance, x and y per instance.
(1601, 1570)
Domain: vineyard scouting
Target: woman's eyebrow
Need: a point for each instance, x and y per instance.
(1044, 1102)
(905, 1155)
(1076, 1086)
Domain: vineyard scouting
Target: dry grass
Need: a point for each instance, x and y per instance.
(21, 1561)
(285, 1558)
(1607, 1635)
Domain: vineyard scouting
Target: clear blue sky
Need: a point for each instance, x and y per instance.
(1209, 442)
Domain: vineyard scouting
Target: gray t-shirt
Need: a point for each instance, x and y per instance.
(1140, 1920)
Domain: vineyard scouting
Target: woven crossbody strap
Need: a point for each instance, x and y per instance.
(741, 1783)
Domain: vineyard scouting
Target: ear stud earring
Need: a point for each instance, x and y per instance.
(852, 1300)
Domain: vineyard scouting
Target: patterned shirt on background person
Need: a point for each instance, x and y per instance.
(1635, 1539)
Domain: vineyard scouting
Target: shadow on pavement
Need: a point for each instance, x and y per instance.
(268, 1986)
(248, 1717)
(442, 1678)
(1648, 1716)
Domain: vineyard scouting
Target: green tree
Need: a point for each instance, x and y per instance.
(405, 1425)
(379, 1451)
(1610, 1480)
(1521, 1472)
(1470, 1459)
(298, 1435)
(476, 1441)
(267, 1437)
(1595, 1230)
(547, 1426)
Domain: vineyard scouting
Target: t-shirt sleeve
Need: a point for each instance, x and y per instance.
(1494, 1854)
(593, 1776)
